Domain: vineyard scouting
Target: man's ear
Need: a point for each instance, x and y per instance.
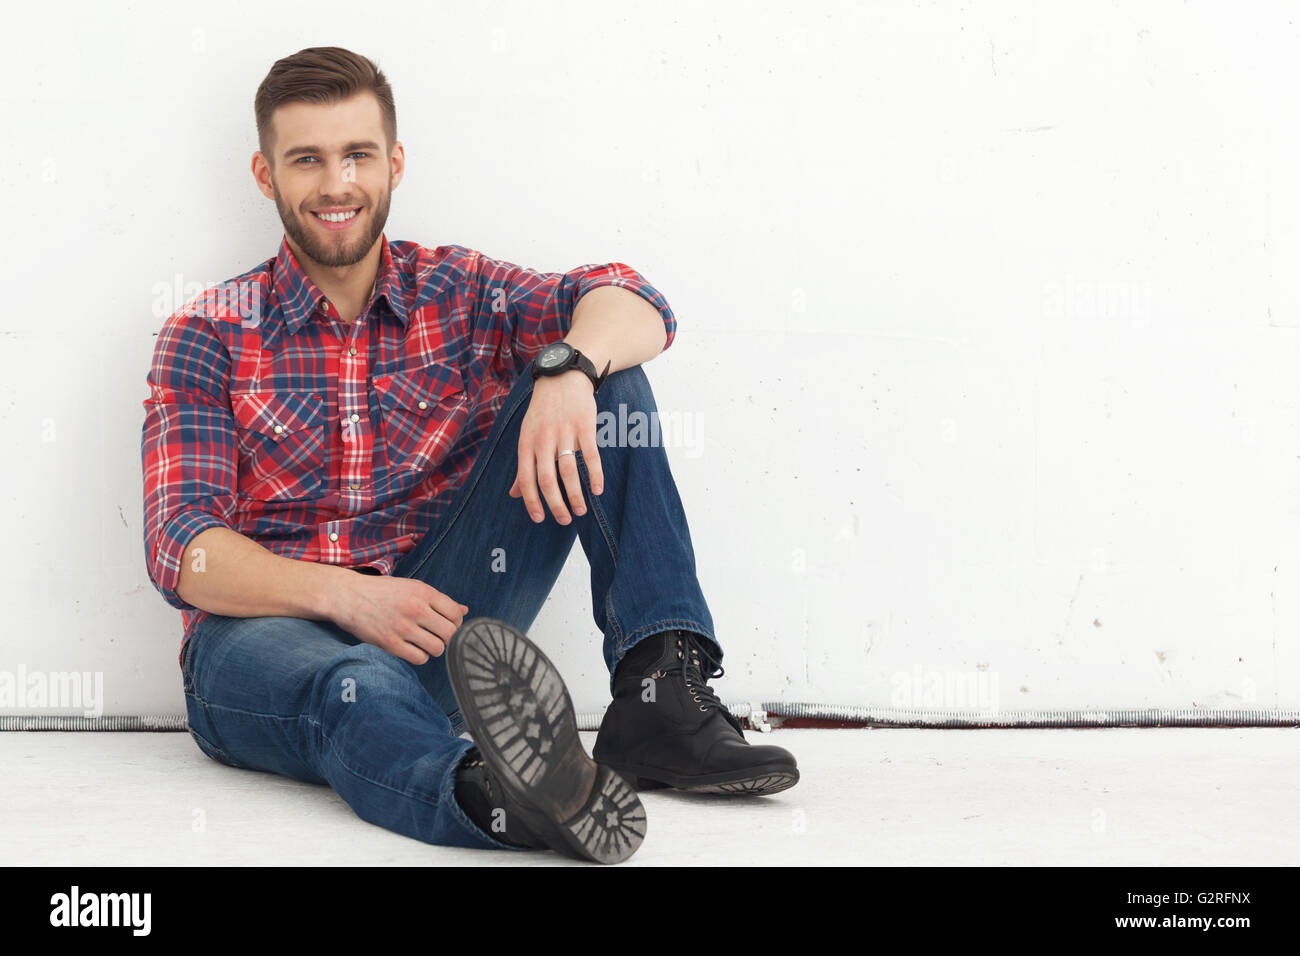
(397, 162)
(261, 169)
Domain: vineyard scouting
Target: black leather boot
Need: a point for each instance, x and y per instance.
(548, 791)
(486, 802)
(666, 727)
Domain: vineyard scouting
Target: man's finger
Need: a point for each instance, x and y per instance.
(568, 468)
(550, 484)
(527, 481)
(406, 650)
(430, 643)
(449, 609)
(591, 458)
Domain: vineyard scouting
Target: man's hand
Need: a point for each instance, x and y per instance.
(561, 414)
(404, 616)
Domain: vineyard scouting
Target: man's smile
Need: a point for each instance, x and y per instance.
(336, 218)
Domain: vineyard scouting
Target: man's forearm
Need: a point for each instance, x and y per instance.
(238, 577)
(617, 326)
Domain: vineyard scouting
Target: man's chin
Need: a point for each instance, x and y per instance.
(343, 253)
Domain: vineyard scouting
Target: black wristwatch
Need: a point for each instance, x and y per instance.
(559, 358)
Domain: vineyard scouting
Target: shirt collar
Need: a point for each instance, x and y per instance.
(299, 297)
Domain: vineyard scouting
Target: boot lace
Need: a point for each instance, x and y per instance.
(690, 648)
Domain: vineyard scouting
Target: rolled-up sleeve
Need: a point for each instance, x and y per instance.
(518, 311)
(188, 446)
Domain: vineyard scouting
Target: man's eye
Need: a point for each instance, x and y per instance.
(305, 158)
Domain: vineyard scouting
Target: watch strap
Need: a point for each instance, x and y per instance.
(584, 363)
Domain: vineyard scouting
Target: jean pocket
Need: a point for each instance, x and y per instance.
(281, 438)
(208, 748)
(421, 410)
(197, 718)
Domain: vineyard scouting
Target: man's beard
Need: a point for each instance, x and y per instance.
(330, 251)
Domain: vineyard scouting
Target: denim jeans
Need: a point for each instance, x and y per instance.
(310, 701)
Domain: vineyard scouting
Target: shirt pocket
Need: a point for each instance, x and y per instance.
(421, 412)
(281, 444)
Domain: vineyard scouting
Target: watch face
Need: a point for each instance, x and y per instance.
(554, 355)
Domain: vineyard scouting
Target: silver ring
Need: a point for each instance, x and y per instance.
(567, 451)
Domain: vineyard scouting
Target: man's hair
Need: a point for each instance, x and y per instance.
(321, 74)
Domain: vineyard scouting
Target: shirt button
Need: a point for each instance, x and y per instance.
(423, 405)
(334, 535)
(356, 417)
(353, 350)
(279, 429)
(354, 486)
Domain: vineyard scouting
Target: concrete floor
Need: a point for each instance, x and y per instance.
(876, 797)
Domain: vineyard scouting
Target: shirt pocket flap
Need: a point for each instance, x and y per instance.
(419, 390)
(278, 415)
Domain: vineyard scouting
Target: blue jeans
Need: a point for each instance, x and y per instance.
(308, 700)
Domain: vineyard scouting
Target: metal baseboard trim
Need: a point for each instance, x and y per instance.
(776, 714)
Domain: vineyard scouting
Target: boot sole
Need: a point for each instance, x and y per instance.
(752, 783)
(521, 717)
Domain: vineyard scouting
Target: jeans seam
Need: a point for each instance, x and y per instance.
(249, 713)
(606, 534)
(612, 621)
(222, 756)
(225, 757)
(597, 511)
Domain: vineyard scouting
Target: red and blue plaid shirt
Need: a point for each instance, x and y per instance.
(331, 442)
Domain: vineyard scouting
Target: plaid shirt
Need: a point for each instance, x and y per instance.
(340, 443)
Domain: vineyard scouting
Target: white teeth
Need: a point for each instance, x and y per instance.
(337, 216)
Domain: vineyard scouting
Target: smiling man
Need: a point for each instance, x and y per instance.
(363, 453)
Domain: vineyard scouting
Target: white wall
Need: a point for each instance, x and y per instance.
(988, 313)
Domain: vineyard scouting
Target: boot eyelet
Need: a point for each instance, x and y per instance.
(702, 707)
